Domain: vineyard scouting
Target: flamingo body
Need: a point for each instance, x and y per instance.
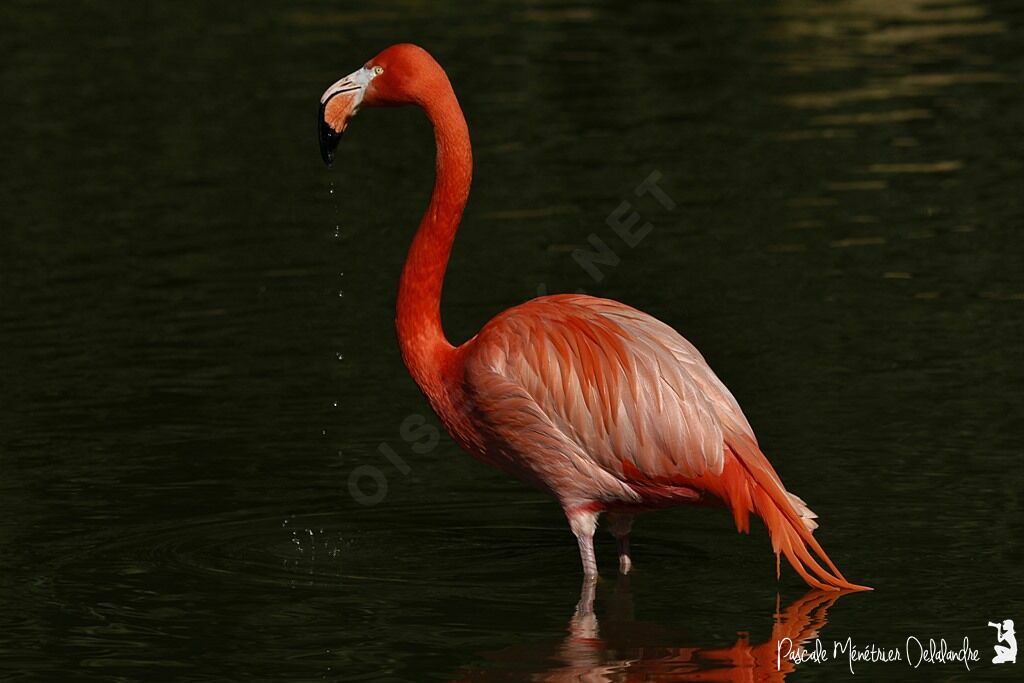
(601, 405)
(599, 397)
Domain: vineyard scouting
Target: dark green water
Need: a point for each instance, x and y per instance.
(197, 353)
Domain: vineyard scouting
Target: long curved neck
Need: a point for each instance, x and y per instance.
(420, 335)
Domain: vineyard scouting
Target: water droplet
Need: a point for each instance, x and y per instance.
(336, 405)
(341, 292)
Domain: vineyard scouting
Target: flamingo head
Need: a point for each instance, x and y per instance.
(401, 74)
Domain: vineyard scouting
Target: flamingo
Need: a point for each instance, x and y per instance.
(601, 405)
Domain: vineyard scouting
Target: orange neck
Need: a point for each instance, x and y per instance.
(425, 349)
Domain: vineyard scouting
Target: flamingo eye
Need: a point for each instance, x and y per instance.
(378, 70)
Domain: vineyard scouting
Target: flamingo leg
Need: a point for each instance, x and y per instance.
(620, 525)
(583, 524)
(587, 556)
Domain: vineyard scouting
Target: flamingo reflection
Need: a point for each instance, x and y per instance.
(620, 652)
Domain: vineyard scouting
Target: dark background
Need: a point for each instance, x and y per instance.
(197, 348)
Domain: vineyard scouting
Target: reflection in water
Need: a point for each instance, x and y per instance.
(877, 83)
(621, 649)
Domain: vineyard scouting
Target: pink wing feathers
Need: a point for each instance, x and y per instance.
(627, 389)
(599, 402)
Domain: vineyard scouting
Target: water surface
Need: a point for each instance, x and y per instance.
(196, 329)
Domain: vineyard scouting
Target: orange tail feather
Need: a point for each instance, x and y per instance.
(789, 532)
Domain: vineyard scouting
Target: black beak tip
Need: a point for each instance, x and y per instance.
(328, 138)
(327, 154)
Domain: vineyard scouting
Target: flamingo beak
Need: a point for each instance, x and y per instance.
(338, 105)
